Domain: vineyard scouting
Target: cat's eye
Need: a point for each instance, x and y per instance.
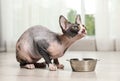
(84, 27)
(75, 28)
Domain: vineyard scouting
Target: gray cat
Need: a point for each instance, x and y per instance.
(39, 42)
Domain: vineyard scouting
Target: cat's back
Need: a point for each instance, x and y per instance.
(39, 32)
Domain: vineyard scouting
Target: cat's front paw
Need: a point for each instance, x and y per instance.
(52, 67)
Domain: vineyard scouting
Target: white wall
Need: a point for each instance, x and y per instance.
(114, 22)
(18, 15)
(107, 24)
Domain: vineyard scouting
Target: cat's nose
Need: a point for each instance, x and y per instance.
(83, 30)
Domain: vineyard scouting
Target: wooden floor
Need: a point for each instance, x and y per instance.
(107, 69)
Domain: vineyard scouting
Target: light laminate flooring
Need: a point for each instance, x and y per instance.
(107, 69)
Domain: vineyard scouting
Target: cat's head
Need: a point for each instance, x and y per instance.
(76, 29)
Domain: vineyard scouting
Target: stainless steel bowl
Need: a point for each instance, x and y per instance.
(84, 65)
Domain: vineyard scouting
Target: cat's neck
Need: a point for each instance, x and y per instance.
(67, 41)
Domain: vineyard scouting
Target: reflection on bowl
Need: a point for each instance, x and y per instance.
(84, 65)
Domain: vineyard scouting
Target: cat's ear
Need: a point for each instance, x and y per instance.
(63, 23)
(78, 19)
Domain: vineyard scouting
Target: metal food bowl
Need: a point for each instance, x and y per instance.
(84, 65)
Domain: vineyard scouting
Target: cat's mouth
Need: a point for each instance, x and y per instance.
(83, 31)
